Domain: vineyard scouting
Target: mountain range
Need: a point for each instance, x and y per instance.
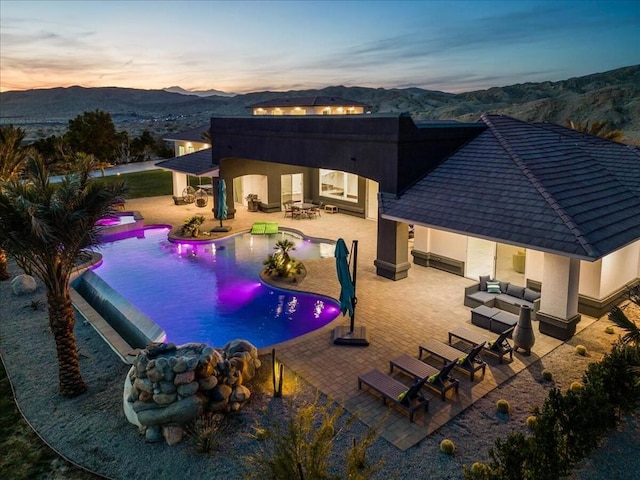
(612, 96)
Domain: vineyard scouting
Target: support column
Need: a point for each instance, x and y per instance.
(392, 250)
(558, 313)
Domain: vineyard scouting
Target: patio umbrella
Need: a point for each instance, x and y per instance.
(348, 300)
(347, 288)
(222, 201)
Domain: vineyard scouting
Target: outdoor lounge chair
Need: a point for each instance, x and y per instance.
(258, 228)
(470, 362)
(407, 398)
(499, 347)
(437, 380)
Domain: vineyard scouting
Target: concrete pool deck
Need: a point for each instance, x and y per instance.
(398, 317)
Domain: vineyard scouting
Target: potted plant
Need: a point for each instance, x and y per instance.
(191, 226)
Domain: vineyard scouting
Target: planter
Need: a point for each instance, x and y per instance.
(562, 329)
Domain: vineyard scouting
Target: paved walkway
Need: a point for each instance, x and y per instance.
(397, 315)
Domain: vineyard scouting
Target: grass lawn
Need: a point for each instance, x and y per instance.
(150, 183)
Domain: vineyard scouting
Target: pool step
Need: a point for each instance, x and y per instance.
(125, 352)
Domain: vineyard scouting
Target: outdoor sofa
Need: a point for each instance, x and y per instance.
(510, 297)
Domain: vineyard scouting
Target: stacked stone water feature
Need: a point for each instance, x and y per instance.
(169, 386)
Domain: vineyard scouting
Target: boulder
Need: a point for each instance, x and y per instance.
(23, 285)
(188, 389)
(179, 412)
(172, 434)
(240, 394)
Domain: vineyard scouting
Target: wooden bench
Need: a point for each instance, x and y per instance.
(390, 389)
(418, 369)
(446, 353)
(498, 348)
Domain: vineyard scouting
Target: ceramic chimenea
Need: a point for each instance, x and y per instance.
(523, 336)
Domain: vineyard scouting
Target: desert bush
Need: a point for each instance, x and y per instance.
(581, 350)
(302, 446)
(575, 387)
(566, 428)
(447, 446)
(207, 432)
(547, 375)
(531, 421)
(503, 406)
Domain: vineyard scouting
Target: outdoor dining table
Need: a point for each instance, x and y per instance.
(304, 209)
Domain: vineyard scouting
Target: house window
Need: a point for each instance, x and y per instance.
(181, 150)
(340, 185)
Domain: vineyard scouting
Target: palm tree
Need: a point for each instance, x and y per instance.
(50, 228)
(599, 129)
(12, 159)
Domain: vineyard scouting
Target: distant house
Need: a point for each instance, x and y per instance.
(309, 106)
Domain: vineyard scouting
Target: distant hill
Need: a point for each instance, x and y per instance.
(198, 93)
(613, 96)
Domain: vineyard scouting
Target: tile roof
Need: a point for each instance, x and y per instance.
(535, 185)
(193, 135)
(308, 102)
(197, 163)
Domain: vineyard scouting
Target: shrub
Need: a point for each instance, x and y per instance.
(207, 432)
(581, 350)
(191, 226)
(478, 471)
(447, 447)
(302, 446)
(281, 263)
(575, 387)
(531, 421)
(547, 375)
(609, 330)
(503, 406)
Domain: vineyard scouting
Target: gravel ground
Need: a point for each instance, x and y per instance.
(91, 430)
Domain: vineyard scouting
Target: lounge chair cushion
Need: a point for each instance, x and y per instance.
(271, 228)
(258, 228)
(503, 286)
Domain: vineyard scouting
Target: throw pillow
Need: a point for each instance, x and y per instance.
(483, 282)
(432, 378)
(493, 287)
(515, 291)
(462, 359)
(531, 295)
(504, 286)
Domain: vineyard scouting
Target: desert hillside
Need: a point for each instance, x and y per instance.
(612, 96)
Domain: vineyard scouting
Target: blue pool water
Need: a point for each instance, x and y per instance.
(212, 293)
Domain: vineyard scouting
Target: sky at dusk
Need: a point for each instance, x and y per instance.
(244, 46)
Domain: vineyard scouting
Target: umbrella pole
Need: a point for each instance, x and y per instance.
(354, 252)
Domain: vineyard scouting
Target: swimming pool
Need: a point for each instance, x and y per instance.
(211, 292)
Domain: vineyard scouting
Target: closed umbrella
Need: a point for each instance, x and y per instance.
(347, 288)
(348, 300)
(221, 211)
(222, 200)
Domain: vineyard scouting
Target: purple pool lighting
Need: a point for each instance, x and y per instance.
(211, 292)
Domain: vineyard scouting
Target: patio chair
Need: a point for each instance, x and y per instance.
(499, 347)
(437, 380)
(396, 392)
(470, 362)
(288, 208)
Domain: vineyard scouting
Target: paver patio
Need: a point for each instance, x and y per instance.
(398, 316)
